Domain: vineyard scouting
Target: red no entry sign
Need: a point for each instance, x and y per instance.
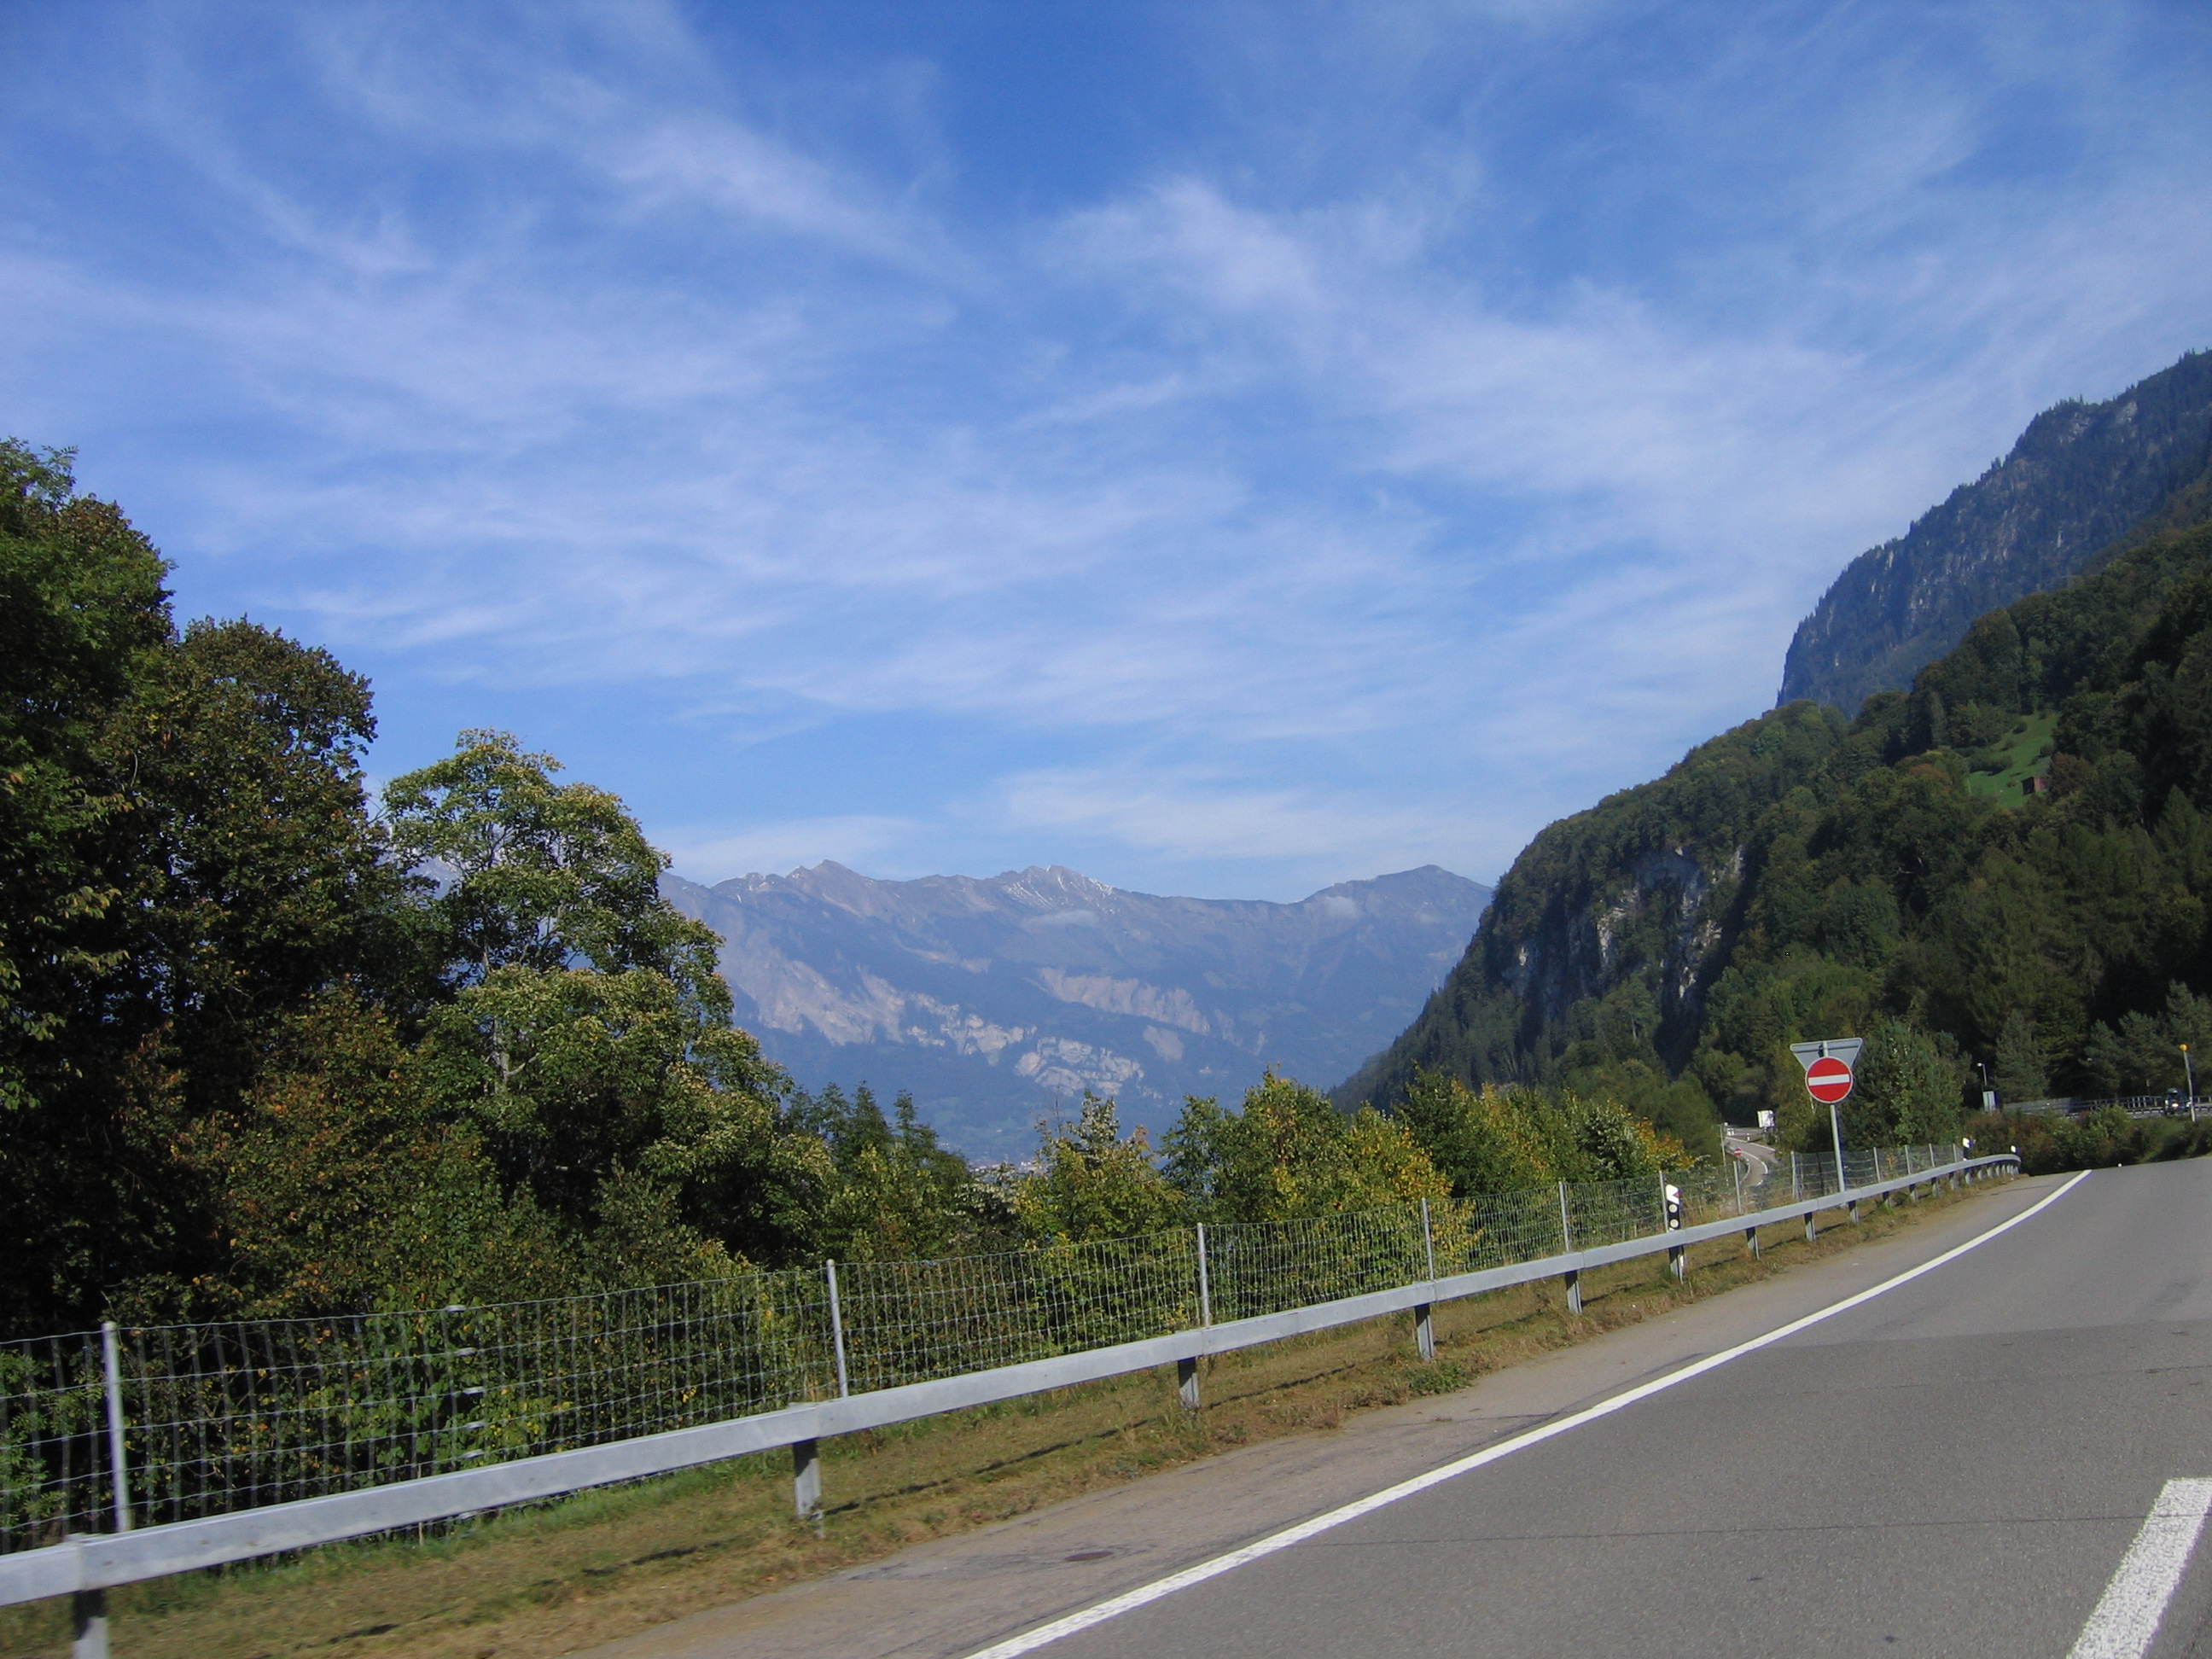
(1828, 1080)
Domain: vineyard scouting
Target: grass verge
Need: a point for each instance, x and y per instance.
(606, 1564)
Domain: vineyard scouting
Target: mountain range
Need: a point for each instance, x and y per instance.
(2012, 858)
(998, 1001)
(2080, 477)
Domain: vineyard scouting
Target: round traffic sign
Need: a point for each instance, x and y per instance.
(1828, 1080)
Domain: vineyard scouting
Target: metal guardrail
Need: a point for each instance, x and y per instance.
(2175, 1104)
(86, 1563)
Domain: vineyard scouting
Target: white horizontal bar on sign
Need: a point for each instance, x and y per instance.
(102, 1560)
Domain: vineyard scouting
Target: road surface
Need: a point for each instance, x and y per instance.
(1957, 1466)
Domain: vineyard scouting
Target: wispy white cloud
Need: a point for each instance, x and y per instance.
(1457, 429)
(710, 853)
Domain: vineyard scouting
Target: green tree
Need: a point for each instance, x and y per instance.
(898, 1194)
(1287, 1151)
(340, 1185)
(588, 1034)
(541, 875)
(1094, 1183)
(2135, 1057)
(2019, 1073)
(186, 861)
(1904, 1093)
(1483, 1141)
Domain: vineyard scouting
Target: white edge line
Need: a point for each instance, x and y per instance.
(2127, 1616)
(1129, 1600)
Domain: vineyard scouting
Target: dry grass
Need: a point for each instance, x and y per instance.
(606, 1564)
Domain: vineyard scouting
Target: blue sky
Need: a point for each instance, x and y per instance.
(1225, 448)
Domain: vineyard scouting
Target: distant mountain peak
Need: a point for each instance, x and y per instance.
(1000, 999)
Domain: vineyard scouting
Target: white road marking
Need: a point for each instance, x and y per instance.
(2127, 1618)
(1129, 1601)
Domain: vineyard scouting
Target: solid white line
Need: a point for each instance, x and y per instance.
(2127, 1618)
(1129, 1600)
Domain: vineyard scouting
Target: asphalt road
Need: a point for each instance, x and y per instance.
(1955, 1466)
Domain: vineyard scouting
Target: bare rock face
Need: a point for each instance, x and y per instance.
(999, 1001)
(2081, 477)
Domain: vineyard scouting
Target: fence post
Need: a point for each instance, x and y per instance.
(89, 1608)
(110, 1361)
(836, 1330)
(1205, 1289)
(1425, 1328)
(806, 1480)
(1573, 1277)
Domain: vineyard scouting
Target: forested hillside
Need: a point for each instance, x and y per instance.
(2010, 864)
(2081, 476)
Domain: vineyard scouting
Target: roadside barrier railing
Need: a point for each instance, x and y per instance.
(128, 1454)
(2173, 1103)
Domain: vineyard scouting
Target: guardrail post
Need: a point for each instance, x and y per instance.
(836, 1330)
(89, 1624)
(1572, 1278)
(1425, 1328)
(1187, 1382)
(806, 1479)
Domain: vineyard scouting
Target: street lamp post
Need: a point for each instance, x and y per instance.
(2190, 1067)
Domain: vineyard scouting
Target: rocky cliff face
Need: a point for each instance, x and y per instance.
(2081, 477)
(1605, 936)
(1000, 1001)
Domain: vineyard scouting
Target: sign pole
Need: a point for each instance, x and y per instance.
(1835, 1130)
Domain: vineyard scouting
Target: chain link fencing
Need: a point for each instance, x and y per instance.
(220, 1417)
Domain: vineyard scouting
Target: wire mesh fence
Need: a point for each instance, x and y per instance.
(913, 1321)
(216, 1418)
